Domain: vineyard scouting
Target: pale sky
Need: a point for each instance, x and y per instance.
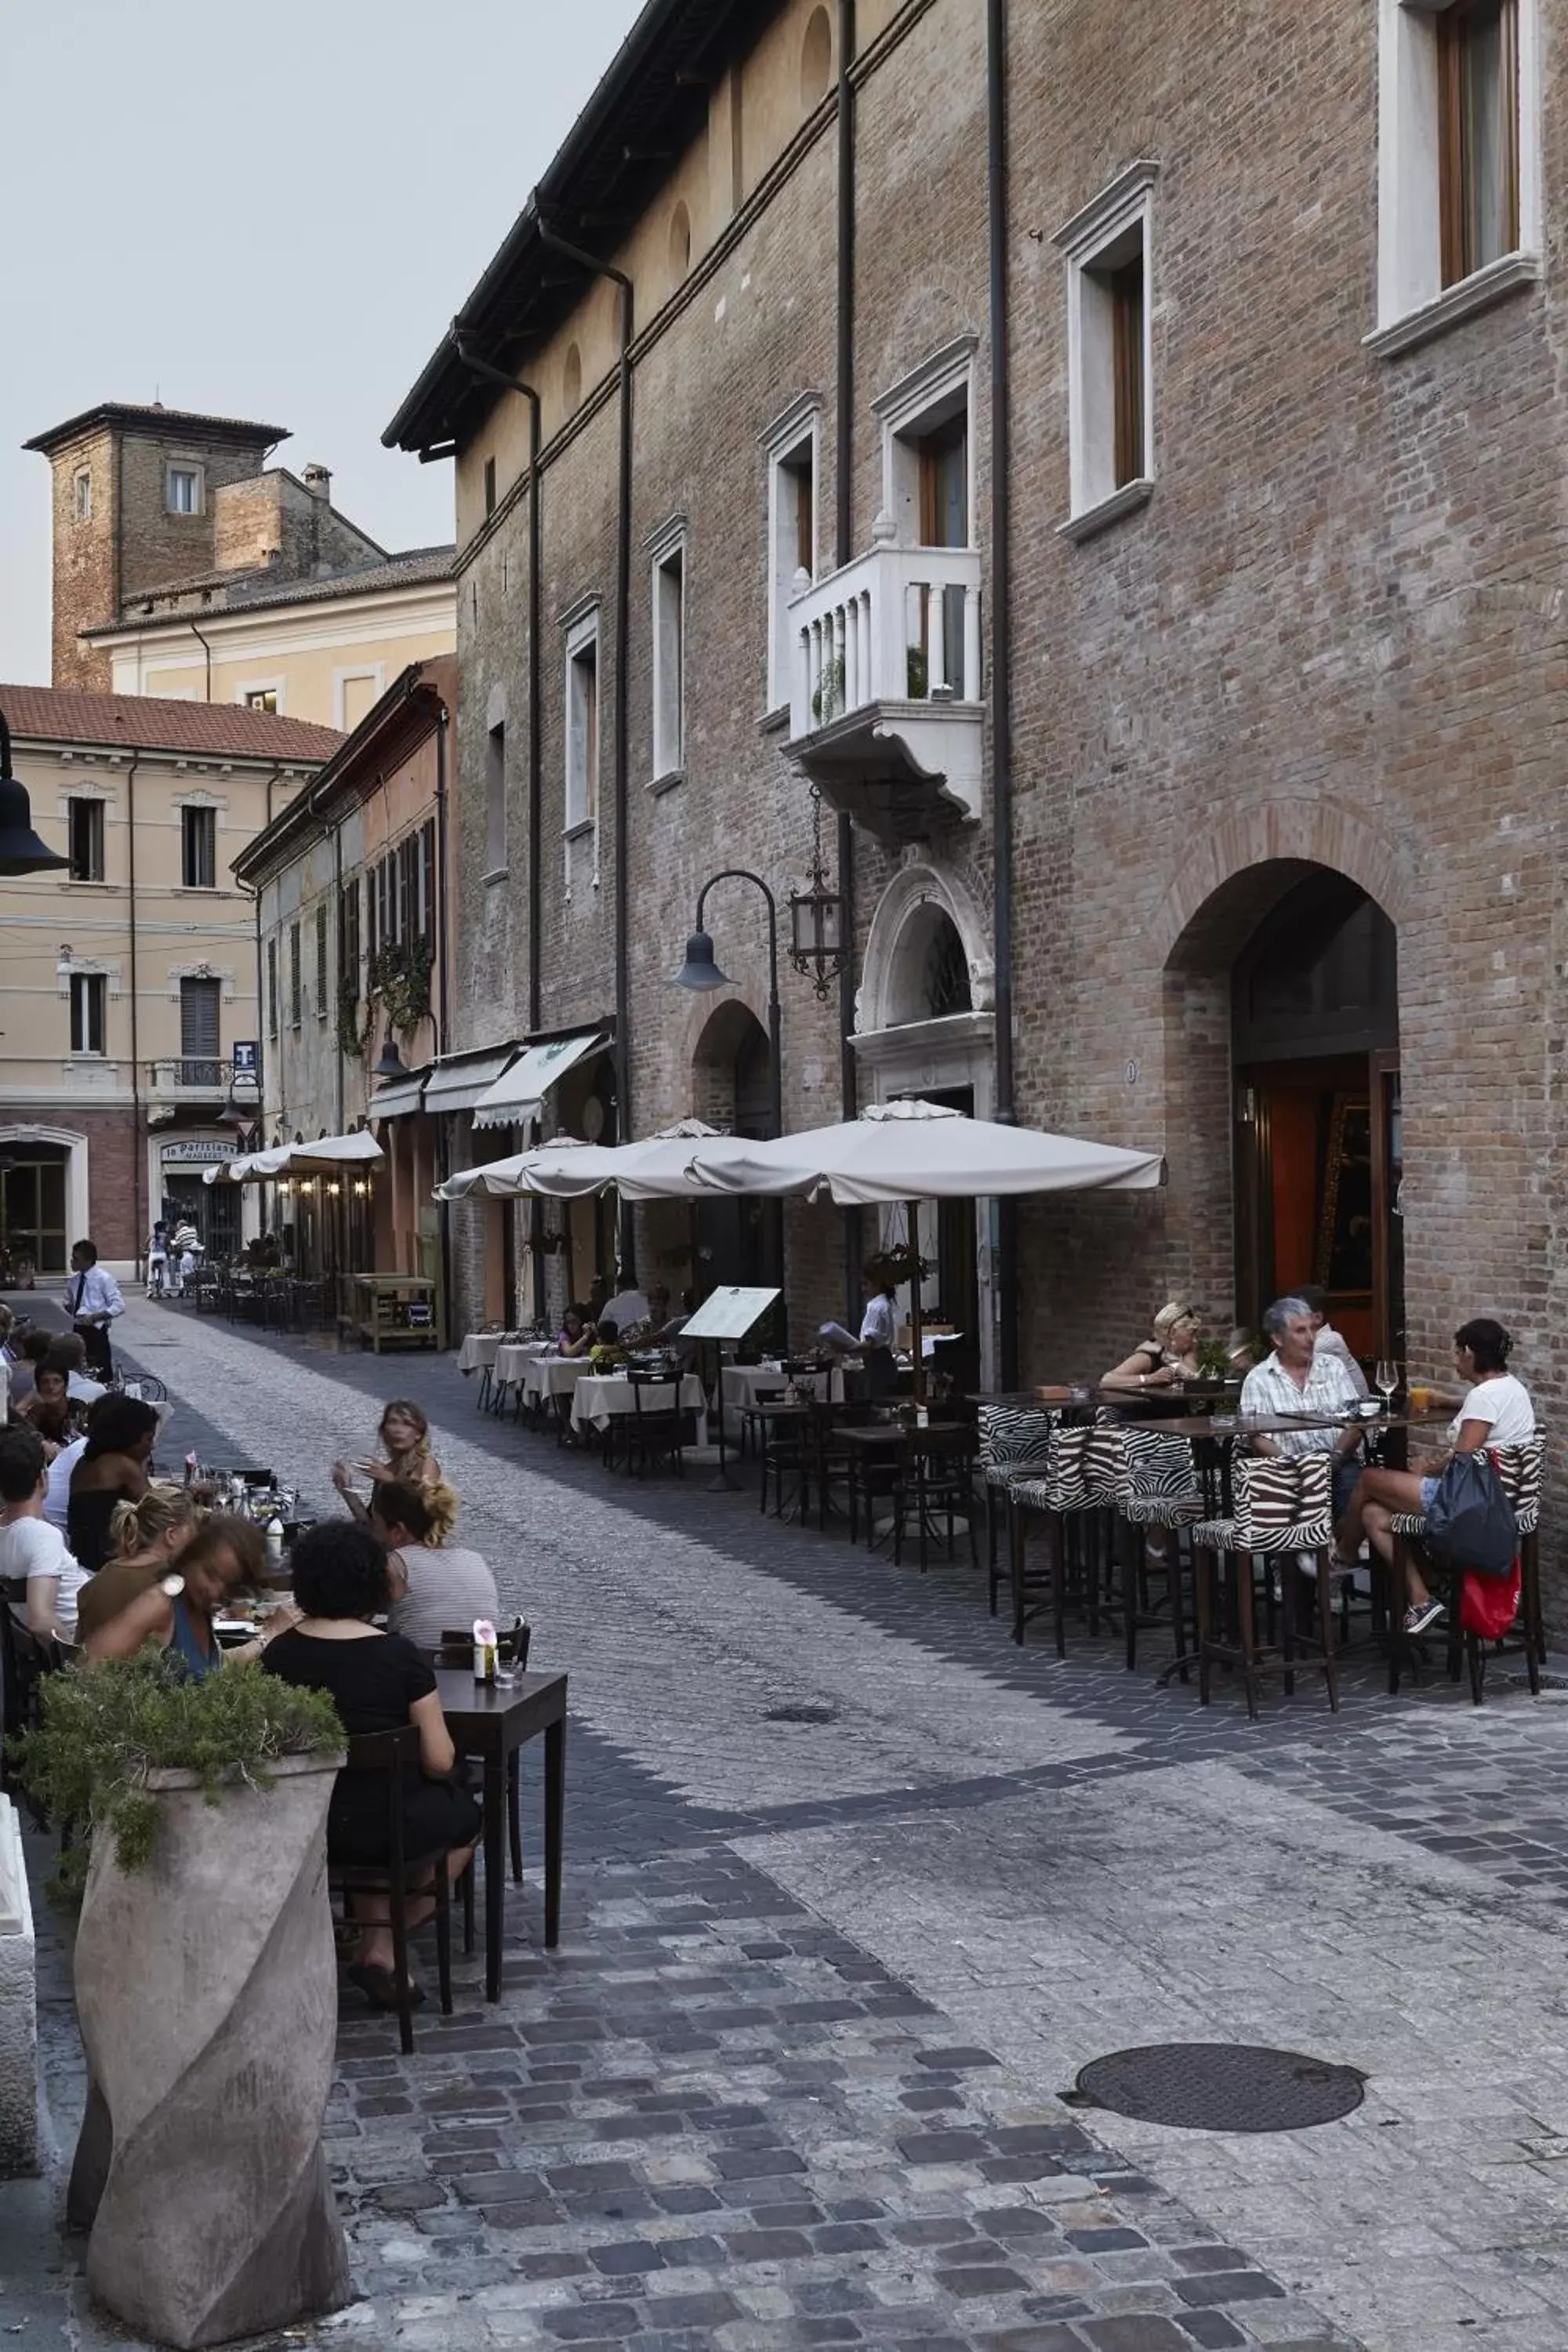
(267, 212)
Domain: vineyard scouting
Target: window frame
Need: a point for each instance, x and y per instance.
(910, 412)
(88, 802)
(273, 989)
(183, 469)
(323, 973)
(1109, 368)
(495, 801)
(81, 506)
(296, 988)
(798, 430)
(89, 993)
(191, 832)
(583, 732)
(668, 619)
(1413, 303)
(489, 482)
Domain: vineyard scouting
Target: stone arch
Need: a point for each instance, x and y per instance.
(572, 380)
(816, 60)
(679, 243)
(1226, 883)
(732, 1070)
(898, 936)
(79, 1195)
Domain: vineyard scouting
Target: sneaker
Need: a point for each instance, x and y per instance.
(1422, 1614)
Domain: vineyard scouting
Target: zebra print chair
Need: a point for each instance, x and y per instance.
(1159, 1493)
(1283, 1504)
(1519, 1469)
(1013, 1440)
(1083, 1474)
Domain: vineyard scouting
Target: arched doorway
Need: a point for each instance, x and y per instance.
(733, 1090)
(33, 1204)
(1315, 1017)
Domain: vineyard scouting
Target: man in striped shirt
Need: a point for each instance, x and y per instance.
(1296, 1380)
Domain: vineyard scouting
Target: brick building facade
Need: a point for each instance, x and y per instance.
(1271, 782)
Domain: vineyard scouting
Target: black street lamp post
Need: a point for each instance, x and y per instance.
(21, 851)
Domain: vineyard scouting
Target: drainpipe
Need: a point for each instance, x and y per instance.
(845, 533)
(207, 650)
(138, 1136)
(1005, 1108)
(569, 252)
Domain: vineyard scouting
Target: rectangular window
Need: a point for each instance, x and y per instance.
(495, 801)
(272, 988)
(184, 490)
(296, 993)
(670, 663)
(90, 991)
(84, 824)
(321, 960)
(792, 530)
(582, 731)
(198, 842)
(201, 1002)
(944, 458)
(1110, 382)
(349, 941)
(427, 884)
(82, 495)
(1478, 134)
(490, 486)
(261, 697)
(408, 883)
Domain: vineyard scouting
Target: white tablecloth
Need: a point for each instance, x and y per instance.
(598, 1400)
(478, 1352)
(513, 1361)
(554, 1376)
(744, 1383)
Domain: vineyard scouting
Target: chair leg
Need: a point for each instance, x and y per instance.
(1398, 1648)
(1326, 1633)
(1204, 1570)
(1127, 1540)
(1478, 1665)
(1178, 1599)
(1015, 1562)
(444, 1936)
(514, 1812)
(397, 1908)
(468, 1909)
(1058, 1537)
(1288, 1572)
(1241, 1564)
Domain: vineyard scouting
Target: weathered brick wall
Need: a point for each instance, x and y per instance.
(83, 573)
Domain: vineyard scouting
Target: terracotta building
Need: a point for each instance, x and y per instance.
(130, 986)
(1108, 452)
(186, 566)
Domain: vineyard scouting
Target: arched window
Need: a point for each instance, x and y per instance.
(816, 60)
(944, 975)
(572, 380)
(680, 244)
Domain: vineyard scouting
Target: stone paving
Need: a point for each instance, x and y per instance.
(791, 2078)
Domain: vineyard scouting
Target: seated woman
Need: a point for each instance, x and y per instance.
(51, 1409)
(378, 1682)
(1170, 1355)
(576, 1334)
(176, 1612)
(406, 1459)
(435, 1585)
(112, 1469)
(29, 1546)
(1497, 1411)
(148, 1537)
(30, 1352)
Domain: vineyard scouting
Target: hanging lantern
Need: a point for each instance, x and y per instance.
(817, 947)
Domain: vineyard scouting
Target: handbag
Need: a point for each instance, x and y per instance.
(1471, 1522)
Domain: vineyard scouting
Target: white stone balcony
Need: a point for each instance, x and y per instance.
(885, 708)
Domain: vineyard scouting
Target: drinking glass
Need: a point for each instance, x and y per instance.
(1386, 1380)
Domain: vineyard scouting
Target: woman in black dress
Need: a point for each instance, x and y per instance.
(113, 1470)
(378, 1682)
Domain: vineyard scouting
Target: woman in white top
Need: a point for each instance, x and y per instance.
(29, 1546)
(1496, 1411)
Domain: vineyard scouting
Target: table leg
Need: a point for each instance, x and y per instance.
(554, 1827)
(495, 1870)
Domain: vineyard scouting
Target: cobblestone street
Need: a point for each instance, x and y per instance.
(853, 1889)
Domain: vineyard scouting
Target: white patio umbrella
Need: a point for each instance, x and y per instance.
(508, 1178)
(359, 1149)
(656, 1169)
(915, 1152)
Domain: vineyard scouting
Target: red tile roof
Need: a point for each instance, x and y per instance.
(151, 722)
(137, 414)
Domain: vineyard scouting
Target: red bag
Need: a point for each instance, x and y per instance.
(1488, 1605)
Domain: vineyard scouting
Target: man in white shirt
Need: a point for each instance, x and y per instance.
(92, 1302)
(1296, 1380)
(1326, 1340)
(57, 1493)
(627, 1308)
(29, 1547)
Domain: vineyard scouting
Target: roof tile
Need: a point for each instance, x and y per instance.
(151, 722)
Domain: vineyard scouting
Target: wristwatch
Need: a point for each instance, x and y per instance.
(171, 1586)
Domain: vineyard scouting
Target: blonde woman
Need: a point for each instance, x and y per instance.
(147, 1537)
(1171, 1354)
(406, 1459)
(436, 1585)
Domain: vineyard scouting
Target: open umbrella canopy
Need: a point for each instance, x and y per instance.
(508, 1178)
(360, 1149)
(656, 1169)
(922, 1151)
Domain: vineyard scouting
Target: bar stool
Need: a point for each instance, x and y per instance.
(1159, 1490)
(1083, 1473)
(1519, 1469)
(1014, 1440)
(1283, 1504)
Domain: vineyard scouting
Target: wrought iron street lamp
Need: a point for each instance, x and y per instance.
(21, 851)
(817, 946)
(392, 1064)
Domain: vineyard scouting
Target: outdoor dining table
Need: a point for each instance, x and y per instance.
(490, 1721)
(478, 1352)
(541, 1375)
(1213, 1436)
(602, 1397)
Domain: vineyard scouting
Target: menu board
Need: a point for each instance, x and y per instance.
(727, 1314)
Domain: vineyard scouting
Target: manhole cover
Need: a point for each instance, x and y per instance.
(801, 1714)
(1220, 2086)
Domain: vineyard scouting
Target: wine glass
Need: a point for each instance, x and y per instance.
(1386, 1379)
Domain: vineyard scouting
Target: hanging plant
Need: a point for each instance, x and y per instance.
(353, 1035)
(400, 976)
(898, 1264)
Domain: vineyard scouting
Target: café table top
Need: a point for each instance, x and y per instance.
(474, 1704)
(890, 1433)
(1279, 1424)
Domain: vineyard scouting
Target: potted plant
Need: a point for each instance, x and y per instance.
(205, 1987)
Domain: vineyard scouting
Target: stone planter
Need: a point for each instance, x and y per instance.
(206, 1990)
(18, 2029)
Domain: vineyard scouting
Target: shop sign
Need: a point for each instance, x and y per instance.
(196, 1155)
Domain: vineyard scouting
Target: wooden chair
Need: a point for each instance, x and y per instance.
(654, 1433)
(388, 1755)
(1283, 1504)
(1519, 1469)
(935, 1481)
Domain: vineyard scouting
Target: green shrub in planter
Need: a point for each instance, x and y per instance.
(110, 1722)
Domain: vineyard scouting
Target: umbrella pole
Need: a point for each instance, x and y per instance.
(916, 1334)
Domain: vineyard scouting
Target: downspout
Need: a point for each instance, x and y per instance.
(208, 652)
(138, 1140)
(844, 531)
(1005, 1107)
(624, 1127)
(438, 915)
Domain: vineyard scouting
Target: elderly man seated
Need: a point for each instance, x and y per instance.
(1297, 1379)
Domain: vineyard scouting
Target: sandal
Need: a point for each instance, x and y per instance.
(379, 1986)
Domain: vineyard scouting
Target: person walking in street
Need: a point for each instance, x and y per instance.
(158, 1260)
(92, 1302)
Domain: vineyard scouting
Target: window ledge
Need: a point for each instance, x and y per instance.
(668, 781)
(496, 874)
(774, 721)
(89, 882)
(1509, 274)
(1094, 520)
(580, 831)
